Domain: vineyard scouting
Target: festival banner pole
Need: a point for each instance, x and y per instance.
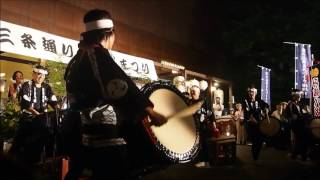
(303, 61)
(295, 62)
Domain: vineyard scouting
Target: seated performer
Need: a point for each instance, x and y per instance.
(33, 134)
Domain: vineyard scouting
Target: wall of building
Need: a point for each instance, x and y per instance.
(151, 29)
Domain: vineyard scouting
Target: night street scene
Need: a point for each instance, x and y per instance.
(159, 89)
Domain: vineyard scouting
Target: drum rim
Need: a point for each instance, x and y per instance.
(273, 134)
(148, 89)
(314, 130)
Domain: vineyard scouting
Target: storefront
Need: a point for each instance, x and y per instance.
(214, 87)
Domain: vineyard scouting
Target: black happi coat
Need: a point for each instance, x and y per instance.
(94, 79)
(254, 108)
(38, 98)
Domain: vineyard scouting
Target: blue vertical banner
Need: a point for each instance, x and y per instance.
(265, 84)
(303, 61)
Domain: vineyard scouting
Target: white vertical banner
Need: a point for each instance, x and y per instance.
(303, 62)
(265, 84)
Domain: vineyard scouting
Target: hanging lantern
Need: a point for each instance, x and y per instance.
(203, 85)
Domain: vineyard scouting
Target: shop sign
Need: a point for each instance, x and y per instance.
(31, 42)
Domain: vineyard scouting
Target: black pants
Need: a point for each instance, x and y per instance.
(256, 138)
(205, 134)
(302, 141)
(105, 163)
(31, 140)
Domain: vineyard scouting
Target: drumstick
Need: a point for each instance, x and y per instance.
(188, 111)
(268, 119)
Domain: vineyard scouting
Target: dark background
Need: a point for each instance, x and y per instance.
(240, 35)
(222, 38)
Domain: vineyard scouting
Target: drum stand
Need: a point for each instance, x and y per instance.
(51, 164)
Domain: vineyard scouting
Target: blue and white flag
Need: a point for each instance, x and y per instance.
(265, 84)
(303, 62)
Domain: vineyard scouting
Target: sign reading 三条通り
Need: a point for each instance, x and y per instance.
(315, 87)
(34, 43)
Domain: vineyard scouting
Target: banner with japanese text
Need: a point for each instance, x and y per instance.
(135, 66)
(265, 84)
(315, 90)
(38, 44)
(34, 43)
(303, 62)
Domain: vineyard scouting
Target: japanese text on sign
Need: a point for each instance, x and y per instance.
(135, 66)
(31, 42)
(34, 43)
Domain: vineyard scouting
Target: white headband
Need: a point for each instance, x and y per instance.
(42, 71)
(253, 89)
(297, 93)
(99, 24)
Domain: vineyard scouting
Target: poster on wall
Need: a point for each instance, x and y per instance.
(315, 90)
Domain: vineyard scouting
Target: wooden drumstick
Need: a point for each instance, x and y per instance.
(267, 116)
(188, 111)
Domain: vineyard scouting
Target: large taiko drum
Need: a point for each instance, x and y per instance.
(269, 128)
(177, 141)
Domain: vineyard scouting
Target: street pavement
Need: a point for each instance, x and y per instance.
(272, 165)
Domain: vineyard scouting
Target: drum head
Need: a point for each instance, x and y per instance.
(178, 138)
(315, 127)
(270, 128)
